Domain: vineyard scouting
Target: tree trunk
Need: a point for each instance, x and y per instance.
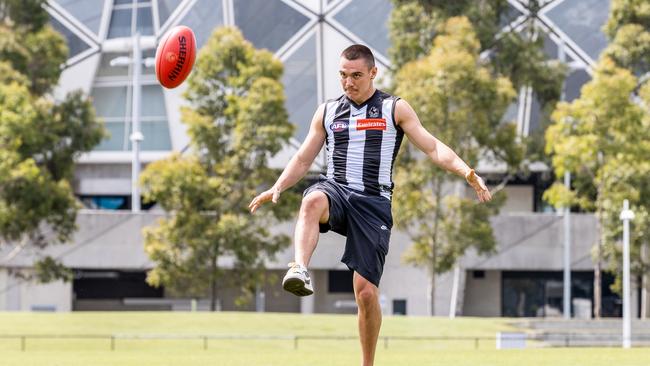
(432, 284)
(598, 294)
(213, 284)
(434, 244)
(645, 283)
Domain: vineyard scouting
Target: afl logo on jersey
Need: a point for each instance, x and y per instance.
(339, 126)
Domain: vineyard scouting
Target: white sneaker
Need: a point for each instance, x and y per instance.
(297, 280)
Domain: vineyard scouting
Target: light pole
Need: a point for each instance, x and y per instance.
(566, 310)
(136, 136)
(626, 216)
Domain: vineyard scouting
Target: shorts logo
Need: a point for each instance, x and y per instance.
(373, 113)
(339, 126)
(371, 124)
(383, 227)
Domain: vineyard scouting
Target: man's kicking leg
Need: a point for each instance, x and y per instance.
(313, 210)
(369, 313)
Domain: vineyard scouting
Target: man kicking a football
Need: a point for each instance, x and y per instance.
(362, 131)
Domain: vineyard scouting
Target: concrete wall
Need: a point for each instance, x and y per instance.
(483, 295)
(20, 295)
(113, 240)
(520, 199)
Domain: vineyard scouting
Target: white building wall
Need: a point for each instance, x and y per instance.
(520, 199)
(20, 295)
(483, 295)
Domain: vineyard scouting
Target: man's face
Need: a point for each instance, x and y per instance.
(356, 77)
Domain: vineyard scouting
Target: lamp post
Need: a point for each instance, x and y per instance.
(626, 216)
(136, 135)
(566, 309)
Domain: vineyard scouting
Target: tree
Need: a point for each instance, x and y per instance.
(605, 179)
(39, 138)
(628, 29)
(602, 139)
(516, 55)
(460, 101)
(236, 122)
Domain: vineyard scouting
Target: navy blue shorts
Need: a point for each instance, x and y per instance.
(365, 220)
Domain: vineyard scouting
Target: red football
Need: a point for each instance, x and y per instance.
(175, 56)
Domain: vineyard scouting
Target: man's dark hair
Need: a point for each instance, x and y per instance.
(357, 51)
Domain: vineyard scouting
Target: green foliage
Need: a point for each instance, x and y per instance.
(24, 13)
(602, 138)
(462, 104)
(29, 45)
(518, 56)
(412, 30)
(623, 12)
(236, 121)
(628, 28)
(39, 138)
(49, 269)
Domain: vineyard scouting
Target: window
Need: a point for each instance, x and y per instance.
(204, 16)
(582, 20)
(75, 44)
(268, 23)
(540, 294)
(399, 307)
(369, 20)
(129, 16)
(300, 83)
(111, 96)
(87, 12)
(166, 8)
(111, 202)
(478, 274)
(339, 281)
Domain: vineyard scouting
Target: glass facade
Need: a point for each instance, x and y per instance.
(268, 23)
(300, 83)
(89, 13)
(129, 17)
(582, 21)
(166, 8)
(301, 35)
(540, 294)
(75, 44)
(368, 19)
(204, 22)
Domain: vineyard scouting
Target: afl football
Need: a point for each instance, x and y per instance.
(175, 56)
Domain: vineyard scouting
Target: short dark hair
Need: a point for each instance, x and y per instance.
(357, 51)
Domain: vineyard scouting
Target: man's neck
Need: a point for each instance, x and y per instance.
(365, 97)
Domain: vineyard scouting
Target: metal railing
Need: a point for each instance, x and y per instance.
(555, 340)
(112, 339)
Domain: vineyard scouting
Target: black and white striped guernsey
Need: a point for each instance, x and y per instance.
(362, 142)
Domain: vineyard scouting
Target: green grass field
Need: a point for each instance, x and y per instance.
(272, 352)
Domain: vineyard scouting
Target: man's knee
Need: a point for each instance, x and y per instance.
(315, 203)
(367, 295)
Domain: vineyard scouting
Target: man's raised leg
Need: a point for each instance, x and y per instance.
(369, 313)
(314, 209)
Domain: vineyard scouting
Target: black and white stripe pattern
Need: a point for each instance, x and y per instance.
(362, 143)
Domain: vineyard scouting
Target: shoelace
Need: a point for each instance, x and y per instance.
(297, 267)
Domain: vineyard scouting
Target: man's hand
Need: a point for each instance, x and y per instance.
(272, 194)
(479, 186)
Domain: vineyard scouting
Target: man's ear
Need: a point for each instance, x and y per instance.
(373, 72)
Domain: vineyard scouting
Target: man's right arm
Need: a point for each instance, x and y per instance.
(299, 163)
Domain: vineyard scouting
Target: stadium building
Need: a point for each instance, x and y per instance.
(524, 277)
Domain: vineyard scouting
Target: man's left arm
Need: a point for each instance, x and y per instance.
(440, 154)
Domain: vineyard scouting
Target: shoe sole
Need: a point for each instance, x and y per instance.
(297, 287)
